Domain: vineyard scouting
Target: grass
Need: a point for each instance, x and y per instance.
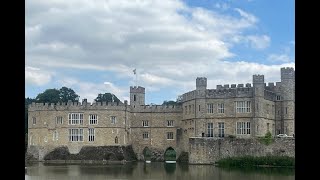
(247, 161)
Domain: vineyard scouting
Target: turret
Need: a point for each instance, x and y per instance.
(201, 83)
(137, 96)
(258, 85)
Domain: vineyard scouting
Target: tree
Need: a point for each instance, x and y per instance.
(169, 103)
(64, 94)
(107, 97)
(49, 96)
(68, 94)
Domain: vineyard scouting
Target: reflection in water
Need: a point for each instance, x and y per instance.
(170, 167)
(154, 170)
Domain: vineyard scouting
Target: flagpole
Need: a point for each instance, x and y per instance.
(136, 80)
(135, 72)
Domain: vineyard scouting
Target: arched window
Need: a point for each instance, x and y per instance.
(134, 98)
(116, 140)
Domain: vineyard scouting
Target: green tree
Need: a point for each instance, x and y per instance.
(170, 103)
(68, 94)
(107, 97)
(49, 96)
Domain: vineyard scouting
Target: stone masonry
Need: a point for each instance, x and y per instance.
(243, 110)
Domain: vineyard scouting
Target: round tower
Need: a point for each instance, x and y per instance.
(287, 91)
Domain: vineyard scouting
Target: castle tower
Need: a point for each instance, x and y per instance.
(287, 91)
(201, 83)
(257, 105)
(137, 96)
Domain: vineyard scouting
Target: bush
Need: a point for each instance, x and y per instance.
(267, 139)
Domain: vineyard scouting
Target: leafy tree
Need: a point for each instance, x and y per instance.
(107, 97)
(49, 96)
(68, 94)
(169, 103)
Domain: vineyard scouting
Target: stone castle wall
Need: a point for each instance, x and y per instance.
(209, 150)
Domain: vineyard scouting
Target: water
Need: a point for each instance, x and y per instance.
(154, 170)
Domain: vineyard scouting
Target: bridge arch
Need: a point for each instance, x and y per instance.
(170, 154)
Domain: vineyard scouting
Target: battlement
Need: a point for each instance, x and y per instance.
(157, 108)
(75, 105)
(287, 73)
(227, 86)
(135, 89)
(234, 91)
(201, 83)
(257, 78)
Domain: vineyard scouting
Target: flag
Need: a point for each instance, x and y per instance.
(134, 71)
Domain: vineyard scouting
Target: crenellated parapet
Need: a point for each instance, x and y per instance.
(287, 73)
(188, 96)
(137, 89)
(74, 106)
(230, 91)
(258, 79)
(157, 108)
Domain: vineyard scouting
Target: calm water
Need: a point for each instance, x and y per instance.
(155, 170)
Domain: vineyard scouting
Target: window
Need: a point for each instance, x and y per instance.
(243, 128)
(134, 97)
(34, 120)
(210, 108)
(221, 129)
(116, 140)
(55, 136)
(145, 135)
(192, 108)
(243, 106)
(221, 108)
(59, 120)
(170, 123)
(268, 126)
(75, 118)
(278, 98)
(210, 129)
(199, 107)
(91, 134)
(93, 119)
(145, 123)
(169, 135)
(75, 135)
(113, 119)
(272, 110)
(189, 109)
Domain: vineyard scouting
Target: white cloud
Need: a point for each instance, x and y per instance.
(279, 58)
(259, 42)
(222, 6)
(168, 42)
(36, 76)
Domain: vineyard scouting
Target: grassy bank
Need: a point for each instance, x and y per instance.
(247, 161)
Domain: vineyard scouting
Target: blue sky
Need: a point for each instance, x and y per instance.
(93, 46)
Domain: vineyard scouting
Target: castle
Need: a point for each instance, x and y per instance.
(243, 111)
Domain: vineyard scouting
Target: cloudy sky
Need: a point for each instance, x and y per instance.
(92, 46)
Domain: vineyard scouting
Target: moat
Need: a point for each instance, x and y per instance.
(154, 170)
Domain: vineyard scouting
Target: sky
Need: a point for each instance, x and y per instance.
(93, 46)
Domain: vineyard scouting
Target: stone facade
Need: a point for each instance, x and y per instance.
(243, 111)
(210, 150)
